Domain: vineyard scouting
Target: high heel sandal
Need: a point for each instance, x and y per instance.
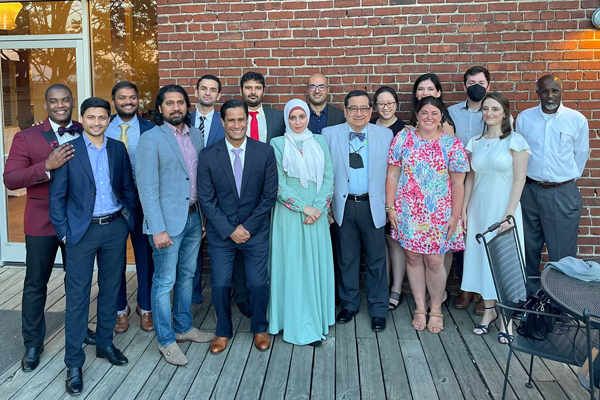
(435, 326)
(416, 324)
(485, 328)
(502, 335)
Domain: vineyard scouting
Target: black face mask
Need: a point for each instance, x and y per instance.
(476, 93)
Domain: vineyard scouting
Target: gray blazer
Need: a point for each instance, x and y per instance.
(379, 141)
(275, 124)
(163, 180)
(335, 116)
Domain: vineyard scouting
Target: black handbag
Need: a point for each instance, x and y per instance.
(534, 326)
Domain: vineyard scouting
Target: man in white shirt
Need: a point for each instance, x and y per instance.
(559, 140)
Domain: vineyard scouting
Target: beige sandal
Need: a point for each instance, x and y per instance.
(416, 324)
(435, 326)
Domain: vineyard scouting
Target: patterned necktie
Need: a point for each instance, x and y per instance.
(254, 125)
(124, 137)
(360, 135)
(237, 169)
(201, 125)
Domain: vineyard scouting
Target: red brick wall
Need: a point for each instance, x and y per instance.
(363, 44)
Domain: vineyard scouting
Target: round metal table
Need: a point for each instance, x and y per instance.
(570, 294)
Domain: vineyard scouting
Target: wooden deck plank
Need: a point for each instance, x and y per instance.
(55, 291)
(12, 285)
(298, 387)
(566, 379)
(371, 377)
(346, 362)
(392, 363)
(231, 375)
(278, 370)
(254, 373)
(323, 379)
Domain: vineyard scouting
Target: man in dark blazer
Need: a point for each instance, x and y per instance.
(237, 186)
(208, 121)
(322, 114)
(127, 127)
(35, 153)
(92, 207)
(264, 124)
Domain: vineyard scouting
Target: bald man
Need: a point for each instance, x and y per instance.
(559, 141)
(321, 114)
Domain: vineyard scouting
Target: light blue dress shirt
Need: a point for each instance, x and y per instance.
(114, 132)
(359, 178)
(207, 123)
(106, 201)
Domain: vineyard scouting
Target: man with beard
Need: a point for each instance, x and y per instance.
(92, 207)
(167, 159)
(35, 153)
(208, 121)
(126, 127)
(265, 123)
(559, 140)
(322, 114)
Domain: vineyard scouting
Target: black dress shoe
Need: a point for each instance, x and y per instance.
(74, 382)
(114, 355)
(31, 359)
(316, 343)
(245, 309)
(378, 324)
(90, 337)
(346, 316)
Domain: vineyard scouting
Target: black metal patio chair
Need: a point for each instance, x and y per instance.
(568, 342)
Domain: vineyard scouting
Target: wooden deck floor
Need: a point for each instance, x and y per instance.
(353, 363)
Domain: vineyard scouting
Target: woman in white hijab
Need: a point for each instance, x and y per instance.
(302, 302)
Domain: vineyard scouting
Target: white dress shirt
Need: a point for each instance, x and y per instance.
(232, 154)
(207, 123)
(559, 143)
(67, 137)
(262, 125)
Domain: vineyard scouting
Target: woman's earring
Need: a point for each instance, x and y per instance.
(418, 127)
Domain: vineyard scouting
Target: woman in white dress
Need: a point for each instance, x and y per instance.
(492, 191)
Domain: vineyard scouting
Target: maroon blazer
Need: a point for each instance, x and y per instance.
(26, 168)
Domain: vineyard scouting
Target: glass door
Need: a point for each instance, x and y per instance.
(28, 67)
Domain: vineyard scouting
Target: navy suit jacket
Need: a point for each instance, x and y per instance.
(73, 191)
(218, 195)
(217, 132)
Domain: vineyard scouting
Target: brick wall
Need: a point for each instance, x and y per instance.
(363, 44)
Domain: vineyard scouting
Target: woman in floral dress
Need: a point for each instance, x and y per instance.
(302, 301)
(424, 194)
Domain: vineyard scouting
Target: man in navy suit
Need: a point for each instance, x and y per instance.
(126, 127)
(92, 207)
(208, 121)
(237, 186)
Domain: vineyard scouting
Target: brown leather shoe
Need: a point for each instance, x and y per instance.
(146, 322)
(262, 341)
(480, 307)
(218, 344)
(463, 300)
(123, 321)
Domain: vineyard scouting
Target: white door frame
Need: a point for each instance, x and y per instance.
(14, 253)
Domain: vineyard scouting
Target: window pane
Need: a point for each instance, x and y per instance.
(40, 17)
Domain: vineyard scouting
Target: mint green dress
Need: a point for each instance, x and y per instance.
(302, 301)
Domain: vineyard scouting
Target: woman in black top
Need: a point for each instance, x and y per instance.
(386, 103)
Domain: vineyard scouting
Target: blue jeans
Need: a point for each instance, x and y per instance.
(174, 269)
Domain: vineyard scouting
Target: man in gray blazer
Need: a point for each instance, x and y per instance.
(167, 161)
(359, 152)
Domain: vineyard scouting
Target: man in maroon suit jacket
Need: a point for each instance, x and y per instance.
(34, 154)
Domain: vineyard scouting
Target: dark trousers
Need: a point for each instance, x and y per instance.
(197, 297)
(255, 254)
(357, 225)
(109, 244)
(550, 216)
(238, 279)
(41, 252)
(334, 230)
(144, 266)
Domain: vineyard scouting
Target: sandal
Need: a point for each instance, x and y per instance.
(485, 328)
(397, 298)
(435, 326)
(505, 336)
(417, 324)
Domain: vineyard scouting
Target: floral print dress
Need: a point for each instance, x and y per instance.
(424, 196)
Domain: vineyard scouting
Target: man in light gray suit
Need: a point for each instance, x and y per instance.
(167, 160)
(359, 153)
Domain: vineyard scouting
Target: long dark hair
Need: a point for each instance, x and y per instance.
(429, 100)
(438, 85)
(160, 97)
(506, 126)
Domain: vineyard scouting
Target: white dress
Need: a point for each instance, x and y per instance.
(493, 165)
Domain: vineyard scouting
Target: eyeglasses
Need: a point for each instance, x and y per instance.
(314, 88)
(354, 109)
(388, 105)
